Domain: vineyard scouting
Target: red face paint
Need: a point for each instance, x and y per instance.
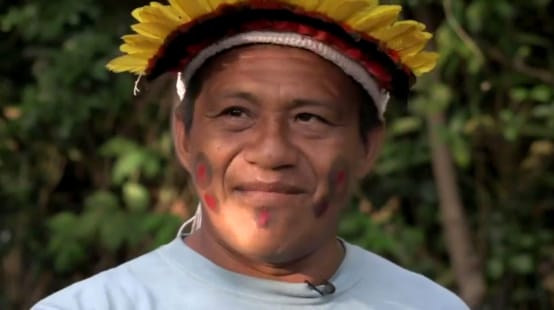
(210, 201)
(202, 172)
(263, 218)
(341, 178)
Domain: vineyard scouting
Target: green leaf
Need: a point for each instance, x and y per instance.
(519, 94)
(71, 255)
(461, 151)
(541, 93)
(136, 196)
(63, 223)
(114, 231)
(101, 199)
(495, 268)
(522, 263)
(118, 146)
(151, 166)
(406, 125)
(127, 166)
(167, 231)
(474, 14)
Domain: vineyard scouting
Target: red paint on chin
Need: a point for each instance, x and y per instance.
(263, 218)
(210, 202)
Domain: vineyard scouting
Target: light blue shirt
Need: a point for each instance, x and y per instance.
(176, 277)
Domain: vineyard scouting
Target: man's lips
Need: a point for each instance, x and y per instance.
(269, 194)
(270, 188)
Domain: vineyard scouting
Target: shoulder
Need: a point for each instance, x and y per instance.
(399, 286)
(117, 288)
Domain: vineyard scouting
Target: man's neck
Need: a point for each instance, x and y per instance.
(310, 267)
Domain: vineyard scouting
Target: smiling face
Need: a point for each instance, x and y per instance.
(274, 150)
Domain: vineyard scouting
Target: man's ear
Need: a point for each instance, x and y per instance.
(374, 139)
(180, 138)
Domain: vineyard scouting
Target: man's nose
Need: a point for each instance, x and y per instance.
(271, 146)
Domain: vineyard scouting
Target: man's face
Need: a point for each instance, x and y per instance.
(274, 150)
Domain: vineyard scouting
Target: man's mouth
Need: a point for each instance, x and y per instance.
(268, 194)
(272, 187)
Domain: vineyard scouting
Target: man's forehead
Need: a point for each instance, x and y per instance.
(271, 66)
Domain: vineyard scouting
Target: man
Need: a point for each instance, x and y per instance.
(280, 117)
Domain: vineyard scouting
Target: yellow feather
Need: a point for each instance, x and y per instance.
(422, 62)
(136, 13)
(139, 47)
(191, 8)
(207, 4)
(419, 71)
(397, 30)
(155, 15)
(373, 19)
(152, 30)
(410, 44)
(341, 10)
(410, 39)
(128, 63)
(214, 4)
(412, 50)
(419, 59)
(308, 5)
(176, 5)
(137, 39)
(169, 12)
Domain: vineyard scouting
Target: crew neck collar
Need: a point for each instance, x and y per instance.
(205, 271)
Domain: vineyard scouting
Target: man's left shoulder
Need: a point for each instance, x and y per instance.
(400, 285)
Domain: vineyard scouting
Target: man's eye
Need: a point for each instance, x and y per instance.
(308, 117)
(235, 118)
(234, 112)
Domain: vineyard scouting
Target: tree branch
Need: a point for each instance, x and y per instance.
(520, 66)
(459, 30)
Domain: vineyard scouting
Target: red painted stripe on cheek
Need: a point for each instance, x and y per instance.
(341, 178)
(211, 202)
(201, 173)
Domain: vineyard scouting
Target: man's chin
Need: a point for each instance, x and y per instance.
(271, 200)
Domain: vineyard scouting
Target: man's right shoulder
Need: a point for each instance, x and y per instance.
(121, 287)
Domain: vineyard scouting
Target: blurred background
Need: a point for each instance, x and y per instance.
(463, 191)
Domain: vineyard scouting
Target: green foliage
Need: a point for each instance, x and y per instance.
(88, 178)
(497, 94)
(104, 224)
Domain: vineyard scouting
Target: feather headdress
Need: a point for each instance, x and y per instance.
(362, 37)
